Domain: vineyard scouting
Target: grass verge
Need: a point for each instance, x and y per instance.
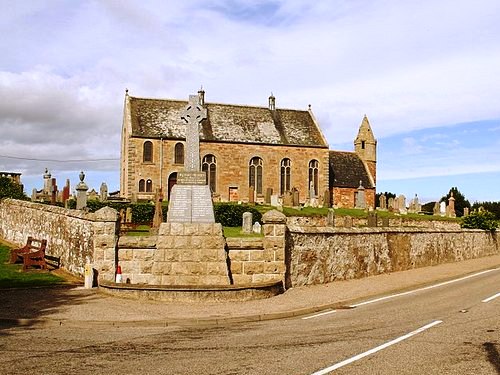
(12, 275)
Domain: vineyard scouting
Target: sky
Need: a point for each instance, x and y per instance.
(426, 74)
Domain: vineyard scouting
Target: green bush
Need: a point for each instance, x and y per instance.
(480, 220)
(231, 215)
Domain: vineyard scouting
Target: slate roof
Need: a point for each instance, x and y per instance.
(155, 118)
(347, 169)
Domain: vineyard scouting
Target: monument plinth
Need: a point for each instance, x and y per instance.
(191, 198)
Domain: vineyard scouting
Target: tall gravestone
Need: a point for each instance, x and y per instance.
(360, 197)
(191, 199)
(81, 192)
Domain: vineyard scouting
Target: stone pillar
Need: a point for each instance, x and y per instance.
(81, 193)
(372, 219)
(451, 206)
(104, 241)
(275, 245)
(360, 197)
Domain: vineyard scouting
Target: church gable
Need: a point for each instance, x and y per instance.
(154, 118)
(347, 170)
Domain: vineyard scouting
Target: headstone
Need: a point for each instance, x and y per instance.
(65, 192)
(442, 208)
(390, 204)
(360, 197)
(103, 192)
(191, 199)
(402, 204)
(274, 200)
(295, 197)
(33, 194)
(372, 219)
(122, 216)
(466, 211)
(53, 191)
(257, 228)
(269, 192)
(81, 192)
(331, 217)
(288, 199)
(435, 209)
(251, 195)
(246, 226)
(383, 202)
(451, 206)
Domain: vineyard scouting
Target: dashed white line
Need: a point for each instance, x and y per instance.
(374, 350)
(491, 298)
(421, 289)
(319, 314)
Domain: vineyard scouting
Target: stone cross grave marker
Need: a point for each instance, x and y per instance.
(193, 115)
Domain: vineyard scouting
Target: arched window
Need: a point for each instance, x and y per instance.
(149, 186)
(313, 177)
(147, 152)
(285, 175)
(209, 166)
(179, 153)
(142, 186)
(255, 174)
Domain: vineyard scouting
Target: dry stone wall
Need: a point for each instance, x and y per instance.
(322, 255)
(71, 235)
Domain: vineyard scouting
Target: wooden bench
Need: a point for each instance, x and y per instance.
(17, 254)
(33, 254)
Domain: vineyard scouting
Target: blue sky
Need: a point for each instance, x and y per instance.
(426, 73)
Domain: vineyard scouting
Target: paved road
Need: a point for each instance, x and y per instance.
(446, 329)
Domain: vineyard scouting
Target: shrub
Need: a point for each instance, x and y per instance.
(480, 220)
(231, 215)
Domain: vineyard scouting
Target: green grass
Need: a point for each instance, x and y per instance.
(12, 275)
(141, 230)
(236, 232)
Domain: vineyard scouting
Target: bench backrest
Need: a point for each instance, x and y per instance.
(39, 245)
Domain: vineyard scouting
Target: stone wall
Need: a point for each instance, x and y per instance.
(71, 235)
(322, 255)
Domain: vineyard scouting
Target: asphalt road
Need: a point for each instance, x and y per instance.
(449, 329)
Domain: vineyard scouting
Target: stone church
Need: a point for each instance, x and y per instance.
(248, 153)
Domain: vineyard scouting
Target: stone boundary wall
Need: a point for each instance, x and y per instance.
(322, 255)
(72, 235)
(402, 221)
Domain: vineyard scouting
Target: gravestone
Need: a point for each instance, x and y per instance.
(390, 204)
(326, 199)
(269, 192)
(288, 199)
(360, 197)
(103, 192)
(53, 191)
(246, 226)
(191, 199)
(128, 215)
(451, 206)
(435, 209)
(274, 200)
(295, 197)
(158, 215)
(402, 204)
(466, 211)
(442, 208)
(382, 202)
(81, 192)
(257, 228)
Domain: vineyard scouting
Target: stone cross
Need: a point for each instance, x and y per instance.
(193, 115)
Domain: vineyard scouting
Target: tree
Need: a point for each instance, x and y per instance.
(493, 207)
(460, 201)
(480, 220)
(10, 189)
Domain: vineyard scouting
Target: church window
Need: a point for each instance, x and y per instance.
(147, 152)
(285, 175)
(142, 186)
(255, 174)
(362, 145)
(179, 153)
(313, 176)
(149, 186)
(209, 166)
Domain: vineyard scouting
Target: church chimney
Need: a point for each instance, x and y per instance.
(201, 95)
(272, 102)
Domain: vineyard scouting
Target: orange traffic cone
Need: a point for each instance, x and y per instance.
(118, 278)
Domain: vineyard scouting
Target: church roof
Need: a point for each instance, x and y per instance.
(155, 118)
(347, 170)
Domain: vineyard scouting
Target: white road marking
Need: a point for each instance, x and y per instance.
(319, 314)
(421, 289)
(491, 298)
(374, 350)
